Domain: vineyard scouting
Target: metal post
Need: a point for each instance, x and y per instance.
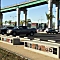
(41, 22)
(38, 23)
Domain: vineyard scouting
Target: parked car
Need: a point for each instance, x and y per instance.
(47, 29)
(4, 29)
(52, 31)
(22, 30)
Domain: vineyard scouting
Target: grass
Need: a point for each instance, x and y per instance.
(8, 55)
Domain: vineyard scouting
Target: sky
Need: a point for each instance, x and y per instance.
(36, 14)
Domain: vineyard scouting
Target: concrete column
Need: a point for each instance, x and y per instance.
(18, 16)
(59, 5)
(25, 12)
(50, 6)
(1, 17)
(57, 16)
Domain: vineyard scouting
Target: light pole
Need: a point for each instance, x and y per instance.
(41, 19)
(13, 17)
(41, 22)
(38, 23)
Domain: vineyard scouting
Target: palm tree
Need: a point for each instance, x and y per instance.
(9, 22)
(26, 22)
(49, 17)
(21, 22)
(5, 22)
(29, 20)
(15, 23)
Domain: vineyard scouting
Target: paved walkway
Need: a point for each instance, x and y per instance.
(20, 49)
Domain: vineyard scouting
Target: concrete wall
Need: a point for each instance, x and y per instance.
(46, 48)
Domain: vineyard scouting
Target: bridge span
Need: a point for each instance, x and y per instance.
(23, 5)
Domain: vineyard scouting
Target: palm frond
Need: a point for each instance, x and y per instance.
(49, 16)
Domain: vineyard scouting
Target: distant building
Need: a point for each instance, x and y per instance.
(34, 25)
(37, 25)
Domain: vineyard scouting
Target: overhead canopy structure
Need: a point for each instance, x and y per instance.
(24, 5)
